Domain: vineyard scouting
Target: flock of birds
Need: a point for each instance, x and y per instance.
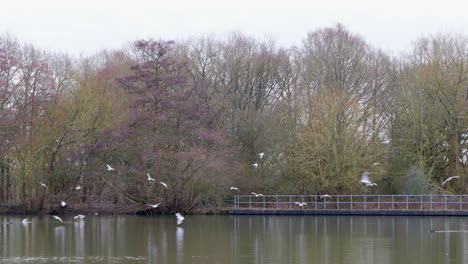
(179, 216)
(365, 179)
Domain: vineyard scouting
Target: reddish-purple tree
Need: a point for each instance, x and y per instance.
(170, 133)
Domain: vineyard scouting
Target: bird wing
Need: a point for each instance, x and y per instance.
(365, 177)
(449, 179)
(180, 218)
(58, 218)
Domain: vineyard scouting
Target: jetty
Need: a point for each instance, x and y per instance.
(417, 205)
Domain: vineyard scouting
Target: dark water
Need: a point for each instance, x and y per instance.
(234, 239)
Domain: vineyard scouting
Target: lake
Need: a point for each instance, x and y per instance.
(234, 239)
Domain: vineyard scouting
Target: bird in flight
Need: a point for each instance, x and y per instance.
(234, 188)
(261, 155)
(63, 203)
(79, 217)
(163, 184)
(43, 185)
(257, 194)
(78, 187)
(58, 218)
(449, 179)
(180, 218)
(154, 205)
(376, 163)
(365, 179)
(325, 196)
(301, 204)
(149, 178)
(255, 165)
(109, 168)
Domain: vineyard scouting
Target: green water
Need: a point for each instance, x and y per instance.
(234, 239)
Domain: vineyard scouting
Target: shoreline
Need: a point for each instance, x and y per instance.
(107, 211)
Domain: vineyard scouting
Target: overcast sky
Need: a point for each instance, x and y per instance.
(85, 27)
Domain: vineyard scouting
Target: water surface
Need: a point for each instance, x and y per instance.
(234, 239)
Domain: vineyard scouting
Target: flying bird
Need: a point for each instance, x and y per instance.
(63, 203)
(109, 168)
(58, 218)
(255, 165)
(376, 163)
(165, 185)
(257, 194)
(234, 188)
(43, 185)
(325, 196)
(149, 177)
(180, 218)
(78, 187)
(154, 205)
(365, 179)
(261, 155)
(79, 217)
(449, 179)
(301, 204)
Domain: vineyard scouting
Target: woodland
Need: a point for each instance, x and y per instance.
(196, 113)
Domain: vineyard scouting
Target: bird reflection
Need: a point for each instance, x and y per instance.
(180, 242)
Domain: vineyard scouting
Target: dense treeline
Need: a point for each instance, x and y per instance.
(196, 114)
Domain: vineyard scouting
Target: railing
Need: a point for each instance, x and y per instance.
(354, 202)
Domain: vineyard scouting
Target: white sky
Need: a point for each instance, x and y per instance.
(86, 26)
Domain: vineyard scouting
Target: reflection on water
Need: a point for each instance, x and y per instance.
(234, 239)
